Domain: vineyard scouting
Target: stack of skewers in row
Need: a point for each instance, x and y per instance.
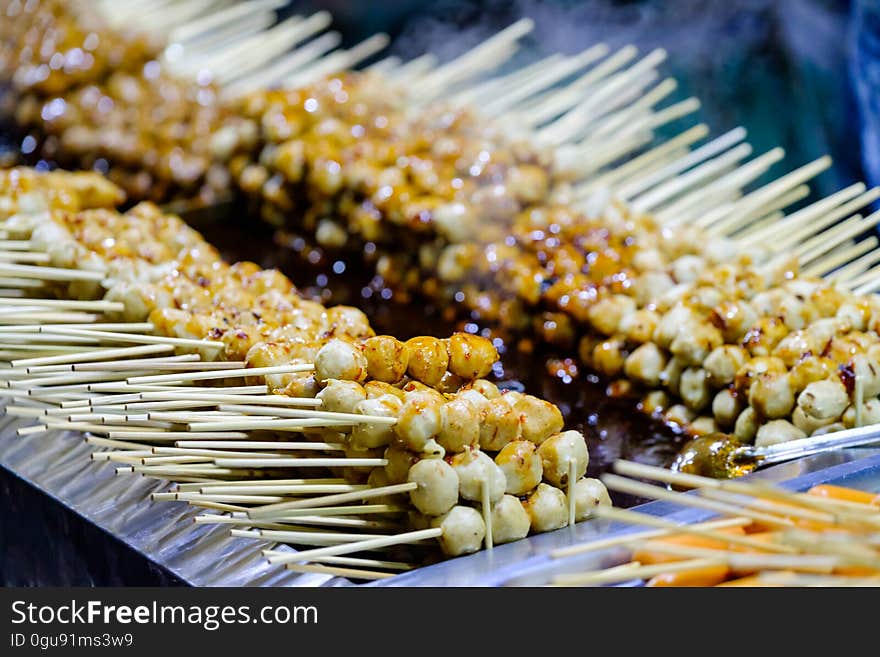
(764, 535)
(126, 316)
(665, 286)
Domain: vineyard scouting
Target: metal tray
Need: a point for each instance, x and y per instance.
(66, 519)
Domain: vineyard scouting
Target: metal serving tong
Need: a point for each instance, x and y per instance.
(793, 449)
(719, 456)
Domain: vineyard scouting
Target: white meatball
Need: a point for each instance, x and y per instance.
(417, 387)
(463, 531)
(473, 468)
(606, 314)
(521, 465)
(419, 420)
(499, 425)
(824, 399)
(512, 397)
(771, 395)
(539, 418)
(855, 314)
(378, 479)
(455, 221)
(547, 508)
(341, 396)
(375, 389)
(470, 356)
(687, 268)
(650, 286)
(703, 425)
(648, 259)
(558, 453)
(746, 425)
(793, 346)
(374, 434)
(428, 359)
(486, 388)
(671, 375)
(645, 364)
(725, 407)
(823, 331)
(654, 402)
(694, 388)
(387, 358)
(588, 494)
(608, 357)
(340, 360)
(474, 398)
(809, 425)
(510, 522)
(459, 424)
(437, 490)
(694, 342)
(671, 323)
(348, 321)
(639, 326)
(679, 414)
(777, 431)
(400, 462)
(723, 363)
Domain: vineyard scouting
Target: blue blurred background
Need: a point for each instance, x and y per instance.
(801, 74)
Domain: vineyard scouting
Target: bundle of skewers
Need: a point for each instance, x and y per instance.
(763, 535)
(550, 220)
(129, 318)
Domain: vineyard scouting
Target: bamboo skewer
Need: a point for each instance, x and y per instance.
(632, 571)
(116, 336)
(646, 490)
(276, 510)
(695, 530)
(268, 424)
(306, 413)
(300, 463)
(357, 546)
(221, 374)
(305, 521)
(635, 537)
(49, 273)
(354, 573)
(745, 561)
(98, 354)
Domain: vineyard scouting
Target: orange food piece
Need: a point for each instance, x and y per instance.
(779, 509)
(647, 556)
(749, 580)
(846, 494)
(856, 571)
(709, 576)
